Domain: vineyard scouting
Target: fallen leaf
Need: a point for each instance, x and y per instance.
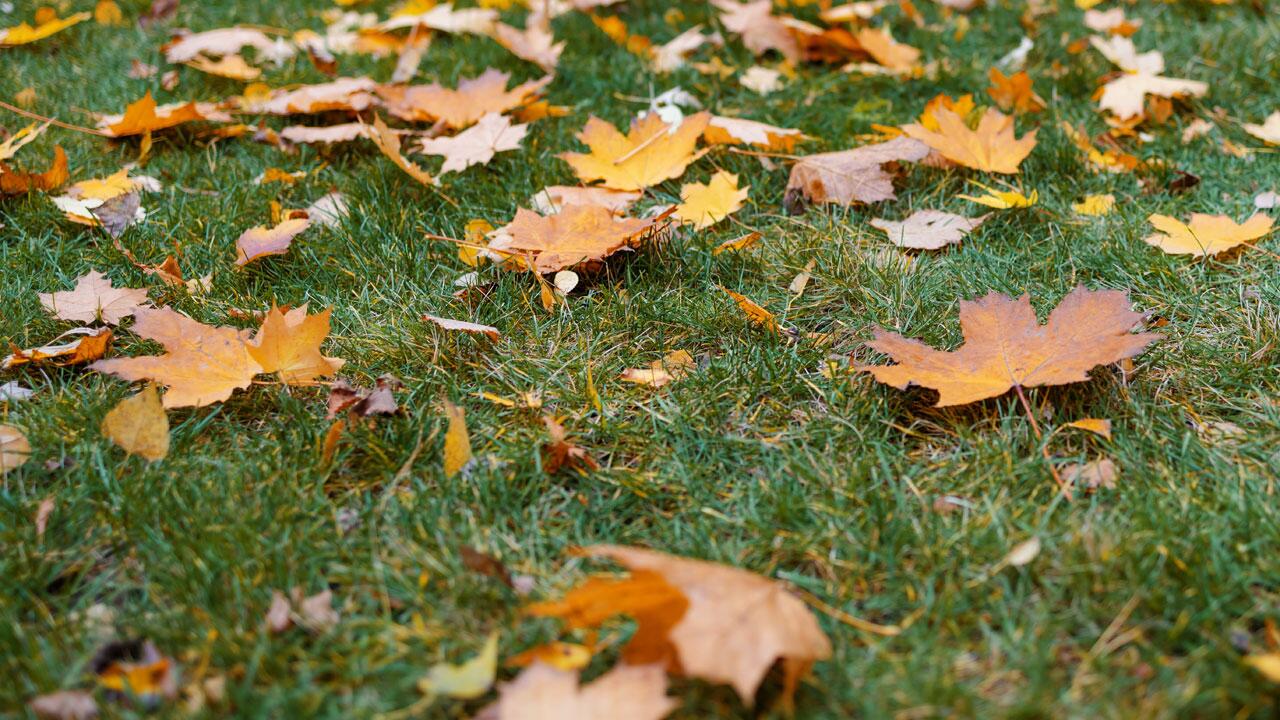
(801, 280)
(457, 442)
(315, 612)
(559, 453)
(388, 142)
(554, 198)
(89, 344)
(1267, 665)
(881, 46)
(466, 681)
(1111, 21)
(670, 56)
(288, 343)
(928, 229)
(760, 29)
(1268, 132)
(756, 314)
(349, 94)
(13, 391)
(1091, 475)
(144, 116)
(142, 672)
(476, 145)
(473, 99)
(851, 176)
(329, 209)
(43, 512)
(1098, 426)
(673, 366)
(535, 43)
(559, 655)
(17, 140)
(462, 326)
(1125, 96)
(543, 692)
(216, 43)
(359, 402)
(13, 183)
(261, 241)
(1267, 200)
(651, 152)
(1205, 235)
(1013, 93)
(761, 80)
(1005, 347)
(485, 564)
(444, 17)
(279, 617)
(736, 244)
(64, 705)
(1022, 553)
(24, 33)
(991, 146)
(1002, 199)
(343, 132)
(737, 131)
(705, 204)
(575, 235)
(1094, 205)
(139, 425)
(203, 364)
(94, 299)
(14, 448)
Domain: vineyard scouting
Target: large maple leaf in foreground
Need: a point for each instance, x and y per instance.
(1004, 346)
(203, 365)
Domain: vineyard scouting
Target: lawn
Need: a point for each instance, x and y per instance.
(1143, 600)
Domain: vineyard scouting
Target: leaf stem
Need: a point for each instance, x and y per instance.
(52, 121)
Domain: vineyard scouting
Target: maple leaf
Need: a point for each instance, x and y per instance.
(737, 131)
(138, 424)
(345, 94)
(1014, 92)
(261, 241)
(1004, 347)
(760, 29)
(1268, 132)
(991, 146)
(705, 204)
(535, 43)
(559, 453)
(554, 198)
(289, 343)
(473, 99)
(890, 53)
(1094, 205)
(1124, 96)
(577, 234)
(670, 56)
(92, 299)
(476, 145)
(145, 116)
(850, 176)
(45, 26)
(203, 364)
(343, 132)
(1205, 235)
(652, 151)
(228, 66)
(12, 183)
(928, 229)
(543, 692)
(761, 80)
(443, 17)
(735, 625)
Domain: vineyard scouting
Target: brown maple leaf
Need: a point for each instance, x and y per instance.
(651, 152)
(1004, 347)
(474, 98)
(542, 692)
(850, 176)
(203, 364)
(577, 234)
(92, 299)
(991, 146)
(535, 43)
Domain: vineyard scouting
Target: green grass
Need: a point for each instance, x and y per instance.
(758, 460)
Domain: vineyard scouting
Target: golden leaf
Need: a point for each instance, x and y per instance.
(138, 424)
(261, 241)
(650, 153)
(705, 204)
(756, 314)
(1013, 93)
(289, 343)
(15, 450)
(1206, 234)
(577, 234)
(457, 441)
(24, 33)
(990, 147)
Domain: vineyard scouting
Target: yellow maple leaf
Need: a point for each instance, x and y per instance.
(203, 364)
(289, 343)
(25, 33)
(705, 204)
(1205, 234)
(991, 146)
(577, 234)
(1095, 204)
(650, 153)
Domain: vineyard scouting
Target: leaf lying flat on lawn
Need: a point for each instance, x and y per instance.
(705, 204)
(991, 146)
(87, 344)
(477, 144)
(92, 299)
(1206, 235)
(15, 450)
(1004, 347)
(289, 343)
(850, 176)
(203, 364)
(473, 99)
(648, 154)
(577, 234)
(145, 116)
(138, 424)
(261, 241)
(928, 229)
(542, 692)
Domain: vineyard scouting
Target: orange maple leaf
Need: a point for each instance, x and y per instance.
(12, 183)
(145, 116)
(991, 146)
(203, 365)
(1004, 347)
(1014, 92)
(645, 156)
(577, 234)
(289, 343)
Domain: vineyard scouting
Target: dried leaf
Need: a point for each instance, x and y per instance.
(736, 244)
(1091, 475)
(14, 448)
(12, 183)
(1095, 205)
(673, 366)
(1098, 426)
(990, 147)
(881, 46)
(203, 364)
(144, 116)
(261, 241)
(466, 681)
(460, 108)
(928, 229)
(1005, 347)
(761, 80)
(652, 151)
(462, 326)
(850, 176)
(1022, 553)
(476, 145)
(535, 43)
(138, 424)
(1206, 235)
(1013, 93)
(760, 29)
(388, 142)
(542, 692)
(578, 234)
(94, 299)
(289, 343)
(344, 132)
(89, 344)
(554, 198)
(559, 453)
(705, 204)
(756, 314)
(737, 131)
(315, 612)
(65, 705)
(216, 43)
(457, 442)
(1268, 132)
(342, 94)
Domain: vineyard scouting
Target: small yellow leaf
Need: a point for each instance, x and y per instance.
(756, 314)
(1095, 205)
(138, 424)
(106, 12)
(1003, 199)
(1267, 664)
(704, 205)
(469, 680)
(738, 243)
(457, 442)
(1098, 426)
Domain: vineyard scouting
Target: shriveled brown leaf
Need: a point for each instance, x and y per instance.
(73, 347)
(560, 453)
